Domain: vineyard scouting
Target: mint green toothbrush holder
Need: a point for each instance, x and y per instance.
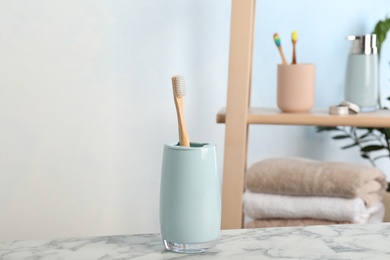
(190, 198)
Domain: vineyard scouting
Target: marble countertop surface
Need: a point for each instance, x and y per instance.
(312, 242)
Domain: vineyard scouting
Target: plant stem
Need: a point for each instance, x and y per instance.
(352, 134)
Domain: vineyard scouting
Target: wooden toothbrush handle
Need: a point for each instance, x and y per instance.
(294, 59)
(183, 135)
(282, 55)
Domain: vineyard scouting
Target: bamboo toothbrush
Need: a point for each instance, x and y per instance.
(294, 39)
(179, 91)
(279, 45)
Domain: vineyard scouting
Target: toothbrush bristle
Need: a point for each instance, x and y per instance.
(277, 39)
(179, 86)
(294, 36)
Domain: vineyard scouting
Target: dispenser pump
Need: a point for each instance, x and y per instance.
(363, 44)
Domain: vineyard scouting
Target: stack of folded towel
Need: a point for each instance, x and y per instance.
(301, 192)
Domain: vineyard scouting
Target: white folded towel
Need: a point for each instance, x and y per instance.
(266, 206)
(377, 213)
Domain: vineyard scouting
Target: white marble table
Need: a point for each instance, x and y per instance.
(314, 242)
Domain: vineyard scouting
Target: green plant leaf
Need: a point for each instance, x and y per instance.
(365, 135)
(338, 137)
(349, 146)
(327, 128)
(381, 29)
(387, 133)
(365, 156)
(370, 148)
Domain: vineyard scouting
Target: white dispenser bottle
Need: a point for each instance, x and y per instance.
(361, 83)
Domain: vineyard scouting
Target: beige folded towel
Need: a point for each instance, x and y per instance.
(305, 177)
(264, 223)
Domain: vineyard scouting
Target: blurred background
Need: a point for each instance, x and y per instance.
(86, 100)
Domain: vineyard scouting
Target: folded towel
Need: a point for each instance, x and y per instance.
(266, 206)
(301, 177)
(264, 223)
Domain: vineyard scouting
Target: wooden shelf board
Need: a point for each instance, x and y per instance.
(316, 117)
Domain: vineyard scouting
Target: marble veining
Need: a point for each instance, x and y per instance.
(312, 242)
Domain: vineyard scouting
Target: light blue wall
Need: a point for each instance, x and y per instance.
(86, 101)
(322, 27)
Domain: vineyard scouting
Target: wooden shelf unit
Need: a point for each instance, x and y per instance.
(316, 117)
(238, 114)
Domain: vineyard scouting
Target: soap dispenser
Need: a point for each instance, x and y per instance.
(361, 83)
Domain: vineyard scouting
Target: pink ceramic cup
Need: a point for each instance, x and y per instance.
(296, 87)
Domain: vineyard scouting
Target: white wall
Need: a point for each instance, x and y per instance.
(86, 102)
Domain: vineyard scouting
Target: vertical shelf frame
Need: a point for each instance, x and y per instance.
(238, 102)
